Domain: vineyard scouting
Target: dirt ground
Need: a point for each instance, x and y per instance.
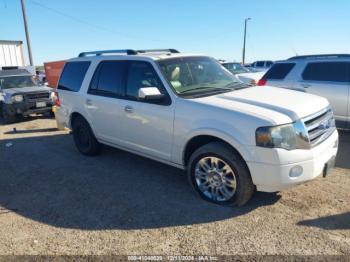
(55, 201)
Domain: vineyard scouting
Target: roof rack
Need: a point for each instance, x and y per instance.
(170, 50)
(101, 52)
(320, 56)
(127, 52)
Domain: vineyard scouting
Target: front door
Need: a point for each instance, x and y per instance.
(147, 125)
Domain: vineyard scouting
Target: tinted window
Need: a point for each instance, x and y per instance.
(73, 75)
(228, 66)
(279, 71)
(327, 71)
(259, 64)
(269, 63)
(109, 78)
(141, 74)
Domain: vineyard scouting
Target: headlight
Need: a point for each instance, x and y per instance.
(17, 98)
(283, 136)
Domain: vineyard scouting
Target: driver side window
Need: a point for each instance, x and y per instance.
(141, 74)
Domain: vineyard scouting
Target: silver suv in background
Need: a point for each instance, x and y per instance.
(261, 66)
(323, 75)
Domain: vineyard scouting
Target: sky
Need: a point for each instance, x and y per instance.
(61, 29)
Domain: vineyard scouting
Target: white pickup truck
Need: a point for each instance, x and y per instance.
(189, 112)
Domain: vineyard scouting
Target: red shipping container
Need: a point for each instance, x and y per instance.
(53, 72)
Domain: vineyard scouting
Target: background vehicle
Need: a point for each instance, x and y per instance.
(20, 94)
(41, 77)
(250, 78)
(261, 66)
(235, 68)
(243, 73)
(189, 112)
(323, 75)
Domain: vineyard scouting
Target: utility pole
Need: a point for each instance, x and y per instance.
(27, 32)
(245, 36)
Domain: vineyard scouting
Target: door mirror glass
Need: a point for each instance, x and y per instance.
(150, 93)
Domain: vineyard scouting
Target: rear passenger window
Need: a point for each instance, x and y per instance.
(109, 78)
(141, 74)
(73, 75)
(259, 64)
(279, 71)
(327, 71)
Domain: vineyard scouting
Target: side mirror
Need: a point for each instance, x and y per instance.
(150, 93)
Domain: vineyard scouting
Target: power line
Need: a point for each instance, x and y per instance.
(81, 21)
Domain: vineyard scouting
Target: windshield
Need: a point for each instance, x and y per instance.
(197, 75)
(17, 82)
(236, 68)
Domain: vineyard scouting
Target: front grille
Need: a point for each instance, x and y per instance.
(38, 96)
(320, 126)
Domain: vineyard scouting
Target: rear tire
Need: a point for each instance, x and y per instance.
(84, 138)
(219, 175)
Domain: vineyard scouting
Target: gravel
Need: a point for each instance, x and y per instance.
(55, 201)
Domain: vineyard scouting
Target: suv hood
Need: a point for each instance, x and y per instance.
(276, 105)
(29, 89)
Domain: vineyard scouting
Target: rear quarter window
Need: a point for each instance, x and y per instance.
(279, 71)
(327, 71)
(73, 75)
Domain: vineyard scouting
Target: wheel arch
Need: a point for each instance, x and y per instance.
(200, 140)
(76, 114)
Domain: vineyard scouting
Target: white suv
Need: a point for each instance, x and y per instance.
(189, 112)
(323, 75)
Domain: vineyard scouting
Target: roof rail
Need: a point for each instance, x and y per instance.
(98, 53)
(170, 50)
(127, 52)
(319, 56)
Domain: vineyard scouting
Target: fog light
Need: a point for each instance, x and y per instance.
(296, 171)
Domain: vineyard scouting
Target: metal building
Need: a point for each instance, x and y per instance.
(11, 53)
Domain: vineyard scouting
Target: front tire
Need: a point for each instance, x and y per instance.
(219, 175)
(7, 115)
(84, 138)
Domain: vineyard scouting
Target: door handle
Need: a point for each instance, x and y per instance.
(88, 102)
(128, 109)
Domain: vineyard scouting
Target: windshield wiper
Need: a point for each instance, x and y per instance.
(237, 85)
(205, 88)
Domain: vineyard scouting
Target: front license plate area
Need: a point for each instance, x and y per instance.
(40, 104)
(328, 167)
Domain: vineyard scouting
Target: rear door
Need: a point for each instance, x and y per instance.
(103, 100)
(329, 79)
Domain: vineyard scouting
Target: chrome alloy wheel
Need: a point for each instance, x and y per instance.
(215, 179)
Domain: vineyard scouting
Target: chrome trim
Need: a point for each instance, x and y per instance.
(302, 135)
(215, 178)
(319, 126)
(314, 115)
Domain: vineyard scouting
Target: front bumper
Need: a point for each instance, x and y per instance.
(27, 108)
(271, 172)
